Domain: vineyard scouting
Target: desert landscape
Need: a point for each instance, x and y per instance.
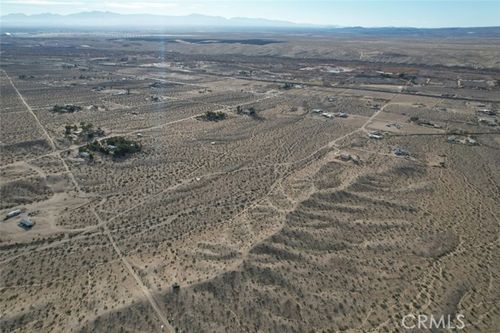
(234, 183)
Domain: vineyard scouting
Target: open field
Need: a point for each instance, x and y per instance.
(344, 185)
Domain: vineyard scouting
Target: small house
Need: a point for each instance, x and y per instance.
(471, 142)
(84, 154)
(395, 125)
(487, 121)
(487, 112)
(13, 213)
(345, 157)
(400, 152)
(376, 135)
(26, 224)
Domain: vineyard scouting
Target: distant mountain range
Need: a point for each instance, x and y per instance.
(133, 21)
(97, 20)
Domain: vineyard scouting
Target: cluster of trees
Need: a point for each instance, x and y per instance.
(68, 108)
(87, 131)
(25, 77)
(214, 116)
(249, 112)
(403, 76)
(408, 77)
(117, 146)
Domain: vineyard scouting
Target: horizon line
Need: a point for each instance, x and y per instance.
(311, 25)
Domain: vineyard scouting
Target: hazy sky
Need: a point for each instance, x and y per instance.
(416, 13)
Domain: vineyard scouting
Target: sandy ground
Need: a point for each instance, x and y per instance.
(280, 220)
